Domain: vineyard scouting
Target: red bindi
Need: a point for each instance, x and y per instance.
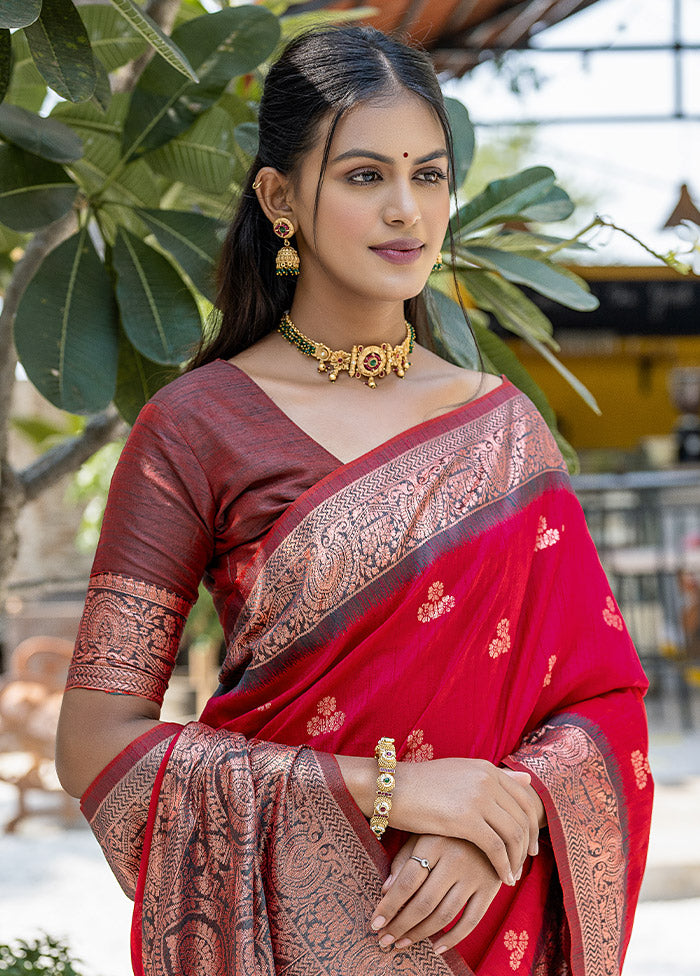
(405, 155)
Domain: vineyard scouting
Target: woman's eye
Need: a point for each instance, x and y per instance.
(432, 176)
(365, 176)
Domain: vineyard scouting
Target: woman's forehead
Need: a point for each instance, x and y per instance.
(391, 125)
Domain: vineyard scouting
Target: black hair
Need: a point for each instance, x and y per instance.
(320, 73)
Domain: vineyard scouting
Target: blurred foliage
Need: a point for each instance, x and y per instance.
(42, 956)
(88, 488)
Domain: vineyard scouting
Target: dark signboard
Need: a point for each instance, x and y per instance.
(634, 307)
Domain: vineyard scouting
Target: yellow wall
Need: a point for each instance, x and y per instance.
(628, 377)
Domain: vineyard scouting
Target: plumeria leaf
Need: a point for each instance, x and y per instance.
(44, 137)
(158, 311)
(5, 61)
(221, 46)
(27, 87)
(113, 39)
(451, 333)
(503, 200)
(462, 138)
(61, 50)
(151, 32)
(193, 239)
(138, 378)
(19, 13)
(66, 328)
(541, 276)
(505, 362)
(33, 191)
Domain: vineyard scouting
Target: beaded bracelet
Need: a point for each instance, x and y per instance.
(385, 755)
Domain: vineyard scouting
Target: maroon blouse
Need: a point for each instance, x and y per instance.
(209, 466)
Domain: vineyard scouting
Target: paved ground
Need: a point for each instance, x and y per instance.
(55, 879)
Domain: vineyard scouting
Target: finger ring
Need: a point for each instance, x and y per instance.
(423, 861)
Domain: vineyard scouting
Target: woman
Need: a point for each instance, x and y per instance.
(395, 553)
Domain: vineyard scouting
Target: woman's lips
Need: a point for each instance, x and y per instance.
(399, 252)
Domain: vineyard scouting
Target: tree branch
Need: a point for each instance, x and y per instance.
(10, 505)
(163, 12)
(68, 456)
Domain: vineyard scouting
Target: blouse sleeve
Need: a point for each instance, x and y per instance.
(156, 541)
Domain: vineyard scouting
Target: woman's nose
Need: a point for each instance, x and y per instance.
(401, 205)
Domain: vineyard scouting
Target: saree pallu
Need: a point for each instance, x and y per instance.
(442, 589)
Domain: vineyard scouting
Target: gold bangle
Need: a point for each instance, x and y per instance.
(385, 755)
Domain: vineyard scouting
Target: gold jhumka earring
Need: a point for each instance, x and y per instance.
(438, 266)
(287, 257)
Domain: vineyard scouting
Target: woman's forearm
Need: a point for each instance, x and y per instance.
(408, 805)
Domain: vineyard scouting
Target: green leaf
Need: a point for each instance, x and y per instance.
(61, 50)
(27, 87)
(519, 315)
(527, 242)
(511, 307)
(47, 138)
(451, 334)
(158, 311)
(5, 61)
(221, 46)
(248, 137)
(566, 373)
(204, 156)
(192, 239)
(33, 191)
(136, 185)
(138, 378)
(539, 275)
(66, 328)
(44, 434)
(507, 363)
(114, 41)
(102, 95)
(279, 7)
(188, 10)
(19, 13)
(462, 137)
(180, 196)
(10, 239)
(86, 117)
(555, 205)
(503, 200)
(151, 32)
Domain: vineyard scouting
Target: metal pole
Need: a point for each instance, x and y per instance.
(677, 59)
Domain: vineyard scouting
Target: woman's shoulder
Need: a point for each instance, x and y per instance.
(193, 389)
(202, 407)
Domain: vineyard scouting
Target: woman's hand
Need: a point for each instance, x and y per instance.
(496, 809)
(419, 903)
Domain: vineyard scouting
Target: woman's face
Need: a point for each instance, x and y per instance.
(384, 204)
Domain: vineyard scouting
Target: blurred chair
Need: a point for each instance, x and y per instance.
(30, 701)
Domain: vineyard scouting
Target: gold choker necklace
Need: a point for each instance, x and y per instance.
(366, 362)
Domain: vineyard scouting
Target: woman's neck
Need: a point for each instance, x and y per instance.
(353, 321)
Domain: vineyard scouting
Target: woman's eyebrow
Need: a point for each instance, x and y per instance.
(368, 154)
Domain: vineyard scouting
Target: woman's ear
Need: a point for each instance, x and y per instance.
(271, 188)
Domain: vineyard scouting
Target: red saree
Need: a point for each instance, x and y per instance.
(441, 589)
